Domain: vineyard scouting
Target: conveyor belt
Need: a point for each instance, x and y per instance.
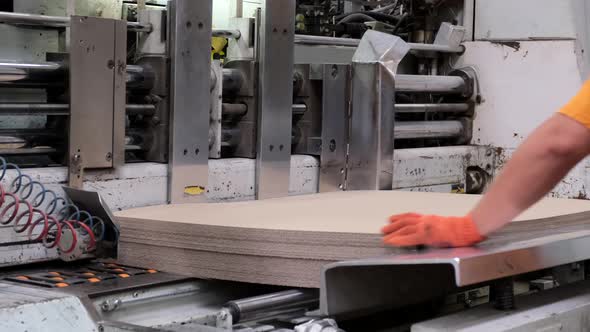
(411, 277)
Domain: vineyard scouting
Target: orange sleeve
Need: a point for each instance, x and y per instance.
(579, 107)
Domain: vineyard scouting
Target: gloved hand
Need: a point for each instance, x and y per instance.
(413, 229)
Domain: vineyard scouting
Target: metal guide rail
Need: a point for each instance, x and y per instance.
(408, 279)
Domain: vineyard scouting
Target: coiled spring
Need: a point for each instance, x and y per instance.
(44, 216)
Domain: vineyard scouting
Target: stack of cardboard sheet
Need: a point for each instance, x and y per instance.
(286, 241)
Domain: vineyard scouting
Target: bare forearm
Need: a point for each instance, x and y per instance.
(535, 168)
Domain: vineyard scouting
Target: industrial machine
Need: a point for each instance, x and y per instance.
(124, 102)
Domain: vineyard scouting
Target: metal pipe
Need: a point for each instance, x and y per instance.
(349, 42)
(431, 84)
(64, 109)
(34, 109)
(428, 129)
(56, 21)
(140, 109)
(14, 71)
(27, 151)
(137, 76)
(235, 34)
(243, 309)
(232, 80)
(234, 110)
(425, 108)
(299, 109)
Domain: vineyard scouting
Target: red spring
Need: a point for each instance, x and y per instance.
(57, 234)
(12, 205)
(91, 238)
(27, 215)
(69, 225)
(43, 218)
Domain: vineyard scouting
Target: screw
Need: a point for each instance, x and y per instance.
(100, 328)
(332, 145)
(109, 156)
(334, 71)
(111, 64)
(135, 294)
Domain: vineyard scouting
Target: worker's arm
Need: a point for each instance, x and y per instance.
(535, 168)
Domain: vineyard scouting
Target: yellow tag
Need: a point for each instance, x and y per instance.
(194, 190)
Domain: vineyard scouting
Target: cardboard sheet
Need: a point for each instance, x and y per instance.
(286, 241)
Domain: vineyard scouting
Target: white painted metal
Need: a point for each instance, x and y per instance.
(438, 169)
(524, 19)
(521, 87)
(35, 309)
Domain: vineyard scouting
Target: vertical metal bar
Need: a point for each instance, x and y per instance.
(275, 59)
(371, 143)
(216, 110)
(120, 92)
(97, 94)
(190, 51)
(335, 125)
(370, 159)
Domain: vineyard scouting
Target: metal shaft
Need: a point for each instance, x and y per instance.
(430, 84)
(349, 42)
(428, 129)
(64, 109)
(424, 108)
(56, 21)
(235, 34)
(244, 308)
(14, 71)
(43, 71)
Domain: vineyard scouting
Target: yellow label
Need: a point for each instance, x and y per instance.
(194, 190)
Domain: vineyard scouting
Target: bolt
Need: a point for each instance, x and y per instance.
(109, 156)
(100, 328)
(334, 71)
(135, 294)
(332, 145)
(111, 64)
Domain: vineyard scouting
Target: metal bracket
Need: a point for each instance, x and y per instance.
(190, 40)
(370, 161)
(275, 59)
(97, 95)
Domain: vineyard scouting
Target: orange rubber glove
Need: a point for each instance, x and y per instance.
(411, 229)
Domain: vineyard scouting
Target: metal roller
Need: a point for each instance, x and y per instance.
(14, 71)
(428, 129)
(234, 110)
(424, 108)
(137, 76)
(235, 34)
(56, 21)
(349, 42)
(232, 80)
(244, 309)
(64, 109)
(431, 84)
